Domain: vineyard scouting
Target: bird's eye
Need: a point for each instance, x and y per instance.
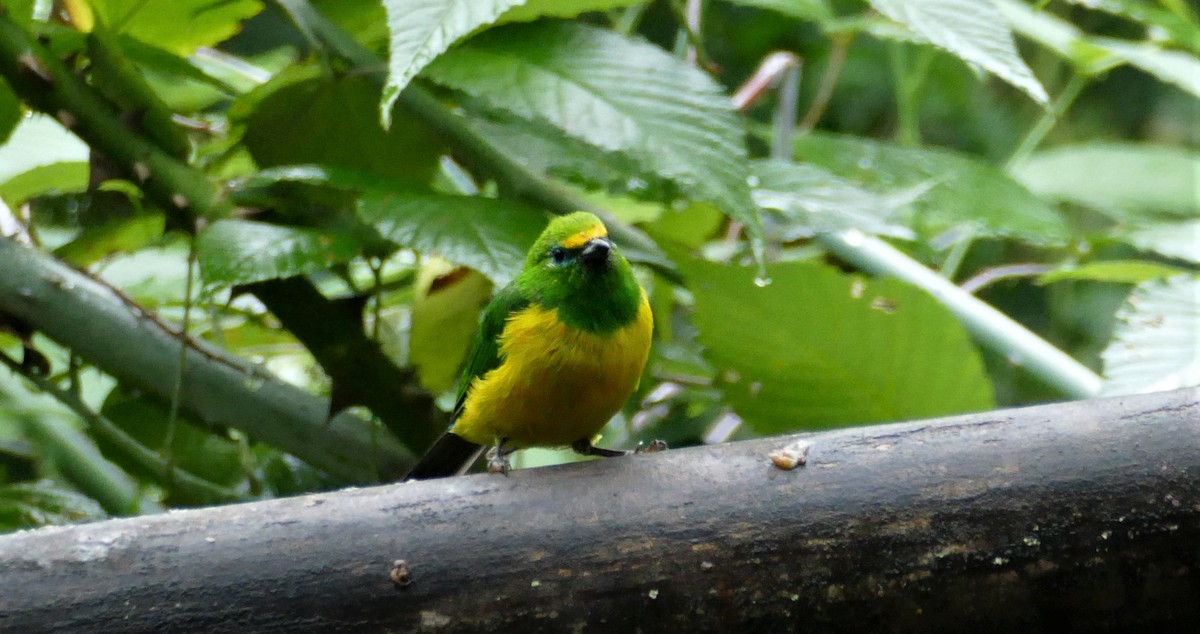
(558, 255)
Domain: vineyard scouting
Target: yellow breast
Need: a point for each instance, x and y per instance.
(556, 384)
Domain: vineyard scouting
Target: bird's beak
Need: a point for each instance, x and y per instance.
(595, 252)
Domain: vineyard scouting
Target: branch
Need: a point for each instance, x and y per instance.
(1079, 516)
(91, 319)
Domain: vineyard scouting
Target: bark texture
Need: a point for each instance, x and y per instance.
(1081, 516)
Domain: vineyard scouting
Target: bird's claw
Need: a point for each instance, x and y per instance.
(654, 446)
(497, 462)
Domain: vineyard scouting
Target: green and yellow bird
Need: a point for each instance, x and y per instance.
(559, 351)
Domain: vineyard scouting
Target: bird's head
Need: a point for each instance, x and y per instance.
(575, 267)
(573, 246)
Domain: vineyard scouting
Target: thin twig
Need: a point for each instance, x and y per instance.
(833, 70)
(181, 371)
(996, 273)
(1048, 120)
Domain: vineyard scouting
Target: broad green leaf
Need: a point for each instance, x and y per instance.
(10, 111)
(55, 178)
(1156, 16)
(690, 226)
(44, 503)
(817, 348)
(180, 26)
(445, 316)
(1118, 271)
(812, 200)
(242, 251)
(180, 83)
(21, 11)
(619, 94)
(1173, 67)
(815, 10)
(1156, 345)
(40, 144)
(1172, 239)
(1060, 36)
(490, 236)
(202, 453)
(545, 149)
(114, 236)
(534, 9)
(423, 29)
(973, 30)
(962, 189)
(157, 23)
(303, 117)
(365, 19)
(1124, 180)
(152, 276)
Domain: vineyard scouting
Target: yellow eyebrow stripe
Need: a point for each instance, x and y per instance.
(581, 238)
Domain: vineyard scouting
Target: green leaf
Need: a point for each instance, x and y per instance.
(973, 30)
(962, 190)
(817, 348)
(44, 503)
(1182, 30)
(534, 9)
(815, 10)
(1125, 180)
(1172, 239)
(365, 19)
(242, 251)
(423, 29)
(445, 316)
(303, 117)
(41, 145)
(1156, 344)
(10, 110)
(1117, 271)
(21, 11)
(1173, 67)
(179, 26)
(1060, 36)
(812, 200)
(490, 236)
(545, 149)
(199, 452)
(114, 236)
(619, 94)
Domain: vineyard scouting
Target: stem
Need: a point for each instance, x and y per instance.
(908, 83)
(829, 78)
(994, 274)
(991, 327)
(784, 123)
(1048, 120)
(181, 366)
(102, 427)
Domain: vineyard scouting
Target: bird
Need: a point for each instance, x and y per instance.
(559, 351)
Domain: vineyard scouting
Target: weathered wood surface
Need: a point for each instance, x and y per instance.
(1080, 516)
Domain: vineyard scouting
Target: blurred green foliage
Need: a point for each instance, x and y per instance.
(1042, 155)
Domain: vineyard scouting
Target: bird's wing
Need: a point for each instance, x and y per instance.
(485, 352)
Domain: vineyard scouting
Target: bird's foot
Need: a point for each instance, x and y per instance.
(497, 459)
(654, 446)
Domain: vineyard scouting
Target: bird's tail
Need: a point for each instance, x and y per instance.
(450, 455)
